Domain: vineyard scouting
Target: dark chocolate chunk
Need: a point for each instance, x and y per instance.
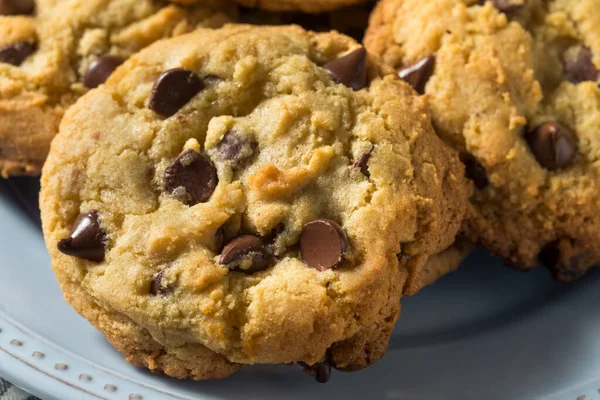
(245, 254)
(350, 70)
(174, 89)
(322, 244)
(237, 149)
(100, 69)
(362, 163)
(475, 171)
(191, 177)
(321, 370)
(16, 53)
(87, 238)
(581, 67)
(158, 287)
(553, 145)
(417, 75)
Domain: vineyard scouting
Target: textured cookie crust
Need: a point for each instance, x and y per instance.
(67, 36)
(264, 86)
(307, 6)
(497, 77)
(441, 264)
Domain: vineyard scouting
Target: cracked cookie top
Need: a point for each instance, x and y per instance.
(260, 191)
(513, 85)
(53, 51)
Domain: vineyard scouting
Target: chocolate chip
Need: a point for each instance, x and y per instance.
(565, 266)
(362, 163)
(321, 370)
(220, 239)
(157, 287)
(245, 254)
(322, 244)
(16, 7)
(174, 89)
(475, 171)
(87, 238)
(191, 177)
(350, 70)
(506, 6)
(581, 68)
(16, 53)
(100, 69)
(278, 230)
(270, 241)
(417, 75)
(553, 145)
(237, 149)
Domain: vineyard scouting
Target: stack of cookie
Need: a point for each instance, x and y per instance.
(219, 194)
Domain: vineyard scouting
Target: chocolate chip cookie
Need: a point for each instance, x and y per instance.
(52, 52)
(307, 6)
(248, 195)
(351, 21)
(513, 85)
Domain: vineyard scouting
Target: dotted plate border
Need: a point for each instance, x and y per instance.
(76, 377)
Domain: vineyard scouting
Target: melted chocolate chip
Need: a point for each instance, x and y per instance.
(475, 171)
(322, 244)
(174, 89)
(321, 370)
(16, 53)
(191, 177)
(350, 70)
(237, 149)
(581, 68)
(87, 238)
(362, 163)
(245, 254)
(16, 7)
(157, 287)
(100, 69)
(553, 145)
(417, 75)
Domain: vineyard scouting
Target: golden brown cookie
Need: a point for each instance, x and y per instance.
(52, 52)
(255, 191)
(513, 85)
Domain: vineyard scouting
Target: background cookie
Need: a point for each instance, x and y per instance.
(253, 191)
(59, 49)
(351, 21)
(307, 6)
(520, 99)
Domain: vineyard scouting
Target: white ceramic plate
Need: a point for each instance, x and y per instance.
(484, 332)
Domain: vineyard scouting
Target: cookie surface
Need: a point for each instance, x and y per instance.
(513, 85)
(307, 6)
(52, 52)
(264, 208)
